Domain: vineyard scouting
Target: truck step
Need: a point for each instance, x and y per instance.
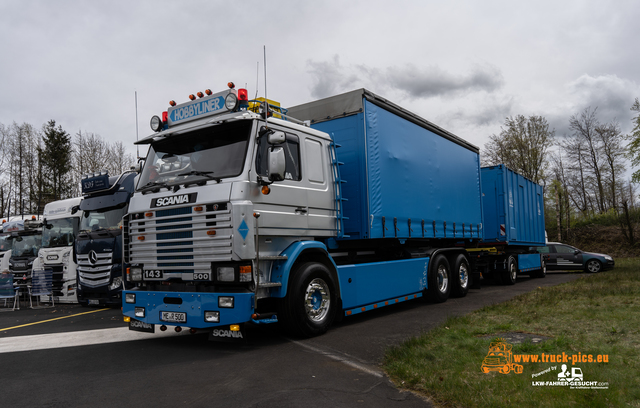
(270, 284)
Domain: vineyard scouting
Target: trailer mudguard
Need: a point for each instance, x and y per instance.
(282, 269)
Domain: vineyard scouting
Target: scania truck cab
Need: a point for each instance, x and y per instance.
(61, 220)
(99, 242)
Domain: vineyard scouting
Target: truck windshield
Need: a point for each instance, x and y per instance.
(213, 152)
(26, 245)
(103, 219)
(59, 233)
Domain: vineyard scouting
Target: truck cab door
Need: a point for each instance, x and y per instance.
(284, 209)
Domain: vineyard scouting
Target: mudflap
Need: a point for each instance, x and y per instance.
(225, 334)
(137, 325)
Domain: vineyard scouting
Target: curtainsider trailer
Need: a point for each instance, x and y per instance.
(242, 218)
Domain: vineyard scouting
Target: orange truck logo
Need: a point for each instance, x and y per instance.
(500, 358)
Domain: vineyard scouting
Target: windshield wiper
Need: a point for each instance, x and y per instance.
(206, 174)
(153, 185)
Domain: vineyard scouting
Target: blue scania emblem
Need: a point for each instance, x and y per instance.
(243, 229)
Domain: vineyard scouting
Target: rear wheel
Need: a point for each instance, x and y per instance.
(509, 276)
(439, 279)
(460, 276)
(311, 302)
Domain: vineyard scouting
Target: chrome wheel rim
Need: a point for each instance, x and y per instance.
(317, 300)
(463, 274)
(443, 279)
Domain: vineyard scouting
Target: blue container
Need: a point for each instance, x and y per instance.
(405, 177)
(513, 208)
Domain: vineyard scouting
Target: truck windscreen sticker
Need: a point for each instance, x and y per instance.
(174, 200)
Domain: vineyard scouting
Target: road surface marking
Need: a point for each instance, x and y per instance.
(51, 320)
(78, 338)
(342, 359)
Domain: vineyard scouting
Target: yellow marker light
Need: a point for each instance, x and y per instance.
(149, 214)
(208, 91)
(198, 209)
(265, 190)
(234, 327)
(127, 319)
(211, 233)
(141, 238)
(200, 94)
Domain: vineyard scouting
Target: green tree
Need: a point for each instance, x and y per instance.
(56, 161)
(522, 146)
(634, 146)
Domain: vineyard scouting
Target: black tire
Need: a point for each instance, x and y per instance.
(439, 285)
(310, 306)
(509, 276)
(460, 276)
(542, 272)
(593, 266)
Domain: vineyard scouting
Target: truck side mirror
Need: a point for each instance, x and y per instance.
(277, 164)
(276, 138)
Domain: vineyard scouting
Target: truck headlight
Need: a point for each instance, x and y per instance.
(66, 255)
(117, 282)
(225, 301)
(226, 274)
(135, 274)
(130, 298)
(139, 312)
(212, 317)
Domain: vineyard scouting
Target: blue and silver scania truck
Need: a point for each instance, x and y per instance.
(240, 217)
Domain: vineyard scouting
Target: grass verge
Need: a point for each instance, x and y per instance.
(594, 315)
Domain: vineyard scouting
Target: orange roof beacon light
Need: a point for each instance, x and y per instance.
(231, 85)
(192, 97)
(200, 94)
(208, 91)
(172, 103)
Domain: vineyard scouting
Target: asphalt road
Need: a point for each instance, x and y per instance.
(70, 356)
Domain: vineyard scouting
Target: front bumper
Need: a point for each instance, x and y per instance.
(193, 304)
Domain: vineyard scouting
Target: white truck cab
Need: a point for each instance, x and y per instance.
(60, 228)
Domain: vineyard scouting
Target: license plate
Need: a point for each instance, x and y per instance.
(173, 317)
(153, 274)
(94, 302)
(137, 325)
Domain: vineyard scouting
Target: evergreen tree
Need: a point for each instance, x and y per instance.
(56, 162)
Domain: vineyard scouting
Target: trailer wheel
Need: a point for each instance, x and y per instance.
(509, 276)
(310, 305)
(460, 276)
(439, 279)
(542, 272)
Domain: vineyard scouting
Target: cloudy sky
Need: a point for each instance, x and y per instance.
(465, 65)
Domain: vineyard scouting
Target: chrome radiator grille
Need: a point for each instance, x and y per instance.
(94, 269)
(179, 240)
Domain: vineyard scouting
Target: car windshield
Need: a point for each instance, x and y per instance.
(26, 245)
(59, 233)
(213, 152)
(103, 219)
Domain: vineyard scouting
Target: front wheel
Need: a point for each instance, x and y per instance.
(593, 266)
(311, 302)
